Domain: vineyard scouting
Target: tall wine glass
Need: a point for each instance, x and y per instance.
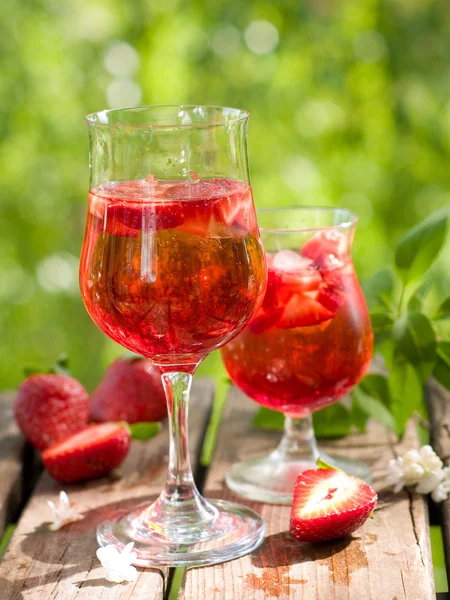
(172, 268)
(307, 346)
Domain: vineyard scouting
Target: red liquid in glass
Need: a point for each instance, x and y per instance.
(172, 269)
(311, 340)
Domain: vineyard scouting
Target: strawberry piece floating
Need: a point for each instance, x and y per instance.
(329, 504)
(327, 249)
(303, 311)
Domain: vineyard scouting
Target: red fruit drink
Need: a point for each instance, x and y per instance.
(172, 269)
(311, 340)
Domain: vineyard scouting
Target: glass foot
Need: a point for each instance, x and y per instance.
(233, 531)
(271, 479)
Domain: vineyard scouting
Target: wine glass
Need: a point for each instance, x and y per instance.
(172, 267)
(308, 344)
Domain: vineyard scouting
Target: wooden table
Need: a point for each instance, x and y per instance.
(389, 558)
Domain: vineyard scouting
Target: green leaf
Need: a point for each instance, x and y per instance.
(419, 247)
(374, 408)
(379, 290)
(443, 312)
(61, 366)
(33, 369)
(321, 464)
(416, 343)
(382, 324)
(376, 386)
(358, 416)
(144, 430)
(442, 368)
(332, 422)
(416, 300)
(268, 419)
(406, 391)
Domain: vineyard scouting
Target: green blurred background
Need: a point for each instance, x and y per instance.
(349, 102)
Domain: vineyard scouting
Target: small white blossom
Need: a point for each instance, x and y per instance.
(430, 481)
(118, 564)
(402, 474)
(442, 490)
(415, 467)
(64, 513)
(429, 459)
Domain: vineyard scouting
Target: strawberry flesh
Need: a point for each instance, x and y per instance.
(303, 311)
(329, 504)
(89, 454)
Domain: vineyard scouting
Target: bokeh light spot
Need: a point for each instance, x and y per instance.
(121, 59)
(261, 37)
(58, 273)
(369, 46)
(123, 92)
(225, 41)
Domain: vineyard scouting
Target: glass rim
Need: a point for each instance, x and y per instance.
(95, 118)
(351, 221)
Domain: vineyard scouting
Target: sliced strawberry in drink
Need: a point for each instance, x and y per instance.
(271, 299)
(302, 311)
(143, 215)
(293, 274)
(329, 504)
(236, 208)
(326, 248)
(264, 320)
(331, 298)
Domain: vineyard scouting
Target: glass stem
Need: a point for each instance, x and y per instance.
(179, 477)
(298, 441)
(180, 498)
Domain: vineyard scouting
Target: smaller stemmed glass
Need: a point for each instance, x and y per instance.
(307, 346)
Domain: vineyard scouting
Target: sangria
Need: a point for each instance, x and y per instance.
(308, 345)
(172, 267)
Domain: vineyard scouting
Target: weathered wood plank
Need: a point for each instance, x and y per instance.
(439, 407)
(12, 448)
(41, 565)
(388, 558)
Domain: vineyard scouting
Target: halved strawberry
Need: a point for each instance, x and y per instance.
(329, 504)
(302, 311)
(91, 453)
(326, 248)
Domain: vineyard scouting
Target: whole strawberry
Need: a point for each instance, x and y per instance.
(50, 407)
(88, 454)
(131, 391)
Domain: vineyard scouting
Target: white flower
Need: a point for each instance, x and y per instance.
(430, 481)
(442, 490)
(402, 473)
(65, 513)
(118, 564)
(429, 459)
(421, 467)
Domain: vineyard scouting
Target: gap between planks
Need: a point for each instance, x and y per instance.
(388, 558)
(41, 565)
(17, 464)
(439, 407)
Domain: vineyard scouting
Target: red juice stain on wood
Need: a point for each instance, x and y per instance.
(274, 582)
